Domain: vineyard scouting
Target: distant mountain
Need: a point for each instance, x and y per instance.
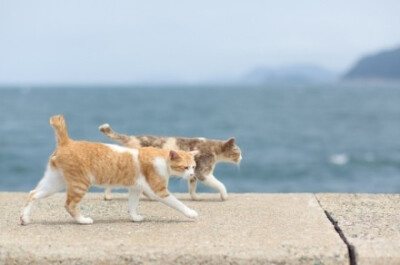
(382, 66)
(290, 74)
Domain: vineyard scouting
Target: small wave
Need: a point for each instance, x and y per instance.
(369, 157)
(339, 159)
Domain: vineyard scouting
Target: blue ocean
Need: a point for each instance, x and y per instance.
(316, 138)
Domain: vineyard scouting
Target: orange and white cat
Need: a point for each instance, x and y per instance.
(77, 165)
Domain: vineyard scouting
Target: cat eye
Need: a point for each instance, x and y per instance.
(186, 168)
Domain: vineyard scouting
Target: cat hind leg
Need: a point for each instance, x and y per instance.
(51, 183)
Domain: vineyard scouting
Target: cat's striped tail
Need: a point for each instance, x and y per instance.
(107, 131)
(60, 129)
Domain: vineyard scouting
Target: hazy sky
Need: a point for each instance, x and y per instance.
(119, 41)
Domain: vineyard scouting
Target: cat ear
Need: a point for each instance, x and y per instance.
(173, 155)
(195, 152)
(229, 143)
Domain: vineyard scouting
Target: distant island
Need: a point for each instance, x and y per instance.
(290, 74)
(381, 66)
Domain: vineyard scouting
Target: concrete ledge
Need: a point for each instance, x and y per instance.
(246, 229)
(370, 223)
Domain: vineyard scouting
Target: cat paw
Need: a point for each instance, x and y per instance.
(24, 220)
(107, 198)
(148, 197)
(191, 213)
(137, 218)
(84, 220)
(224, 196)
(195, 197)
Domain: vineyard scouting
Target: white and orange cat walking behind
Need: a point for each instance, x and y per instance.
(77, 165)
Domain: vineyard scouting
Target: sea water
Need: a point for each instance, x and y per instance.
(317, 138)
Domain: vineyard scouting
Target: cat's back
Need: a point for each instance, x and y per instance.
(150, 153)
(174, 143)
(101, 160)
(91, 153)
(149, 141)
(79, 155)
(82, 149)
(198, 143)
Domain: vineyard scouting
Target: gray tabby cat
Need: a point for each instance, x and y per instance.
(210, 153)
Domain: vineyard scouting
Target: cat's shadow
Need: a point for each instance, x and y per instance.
(202, 200)
(216, 199)
(113, 221)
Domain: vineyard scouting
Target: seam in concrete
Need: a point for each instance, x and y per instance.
(350, 248)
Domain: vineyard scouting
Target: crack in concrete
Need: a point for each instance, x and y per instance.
(350, 248)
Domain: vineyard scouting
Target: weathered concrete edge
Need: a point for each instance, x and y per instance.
(350, 248)
(22, 257)
(15, 257)
(362, 254)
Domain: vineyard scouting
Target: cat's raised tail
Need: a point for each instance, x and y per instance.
(60, 128)
(107, 131)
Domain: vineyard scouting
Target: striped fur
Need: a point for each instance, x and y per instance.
(77, 165)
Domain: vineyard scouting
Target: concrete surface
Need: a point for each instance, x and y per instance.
(370, 222)
(246, 229)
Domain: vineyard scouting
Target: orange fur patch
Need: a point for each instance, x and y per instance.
(86, 163)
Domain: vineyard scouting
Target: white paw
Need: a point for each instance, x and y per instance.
(137, 218)
(224, 196)
(24, 220)
(191, 213)
(84, 220)
(145, 195)
(107, 198)
(195, 197)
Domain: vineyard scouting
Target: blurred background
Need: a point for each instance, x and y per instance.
(310, 89)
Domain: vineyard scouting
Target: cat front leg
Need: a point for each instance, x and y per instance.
(161, 194)
(75, 194)
(192, 189)
(134, 195)
(211, 181)
(173, 202)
